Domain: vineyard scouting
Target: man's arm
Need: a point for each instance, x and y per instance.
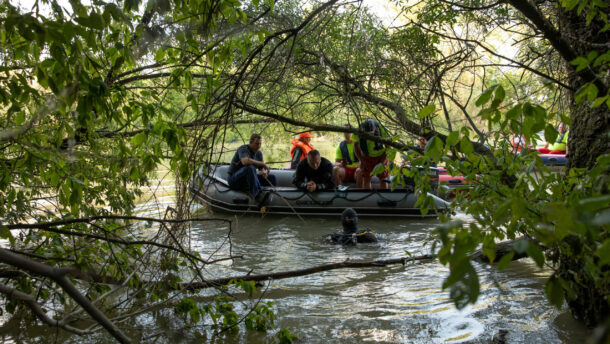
(299, 178)
(326, 181)
(246, 160)
(339, 157)
(357, 151)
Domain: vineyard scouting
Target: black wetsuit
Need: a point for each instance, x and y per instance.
(351, 235)
(363, 236)
(323, 176)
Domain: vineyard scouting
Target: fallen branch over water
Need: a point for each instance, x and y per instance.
(502, 249)
(304, 272)
(59, 276)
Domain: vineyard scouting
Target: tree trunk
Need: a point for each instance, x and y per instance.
(588, 137)
(587, 140)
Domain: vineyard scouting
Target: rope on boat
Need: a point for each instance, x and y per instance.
(321, 203)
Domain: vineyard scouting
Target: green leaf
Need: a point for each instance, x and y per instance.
(485, 96)
(602, 218)
(550, 134)
(20, 118)
(453, 138)
(505, 260)
(588, 90)
(514, 112)
(603, 252)
(261, 36)
(434, 148)
(426, 111)
(466, 146)
(5, 233)
(599, 101)
(534, 252)
(489, 248)
(499, 96)
(96, 21)
(93, 21)
(379, 168)
(595, 203)
(554, 292)
(580, 63)
(160, 55)
(521, 245)
(139, 139)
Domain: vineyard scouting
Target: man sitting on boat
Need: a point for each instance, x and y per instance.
(351, 235)
(371, 154)
(314, 173)
(300, 149)
(561, 144)
(248, 170)
(346, 161)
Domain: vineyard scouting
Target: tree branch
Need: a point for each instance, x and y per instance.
(59, 276)
(557, 41)
(36, 308)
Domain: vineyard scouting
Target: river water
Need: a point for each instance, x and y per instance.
(394, 304)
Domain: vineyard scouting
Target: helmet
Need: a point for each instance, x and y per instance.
(370, 126)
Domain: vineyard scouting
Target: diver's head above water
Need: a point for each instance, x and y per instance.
(349, 220)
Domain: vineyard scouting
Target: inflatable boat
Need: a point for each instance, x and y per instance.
(450, 185)
(210, 187)
(554, 159)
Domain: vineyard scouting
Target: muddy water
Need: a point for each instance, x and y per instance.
(383, 305)
(392, 304)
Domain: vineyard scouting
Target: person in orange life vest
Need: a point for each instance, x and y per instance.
(371, 153)
(561, 144)
(346, 161)
(300, 148)
(518, 142)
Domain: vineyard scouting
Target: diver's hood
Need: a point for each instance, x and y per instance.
(349, 220)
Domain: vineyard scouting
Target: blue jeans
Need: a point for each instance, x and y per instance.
(247, 178)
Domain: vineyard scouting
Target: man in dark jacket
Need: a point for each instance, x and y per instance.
(351, 235)
(248, 170)
(314, 173)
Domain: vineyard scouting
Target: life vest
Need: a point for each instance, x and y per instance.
(518, 142)
(305, 148)
(345, 153)
(560, 144)
(368, 126)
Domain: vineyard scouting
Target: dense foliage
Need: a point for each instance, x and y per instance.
(96, 97)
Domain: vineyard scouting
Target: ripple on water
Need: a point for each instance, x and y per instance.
(393, 304)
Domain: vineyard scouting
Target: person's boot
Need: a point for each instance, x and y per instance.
(263, 198)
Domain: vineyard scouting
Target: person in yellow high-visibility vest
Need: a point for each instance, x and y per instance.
(346, 161)
(371, 154)
(561, 144)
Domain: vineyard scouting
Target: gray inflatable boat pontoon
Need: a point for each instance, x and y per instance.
(210, 187)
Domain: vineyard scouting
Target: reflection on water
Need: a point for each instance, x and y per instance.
(393, 304)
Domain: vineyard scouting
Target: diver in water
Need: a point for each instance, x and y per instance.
(351, 235)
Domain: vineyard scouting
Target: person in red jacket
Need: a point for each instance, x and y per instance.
(300, 148)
